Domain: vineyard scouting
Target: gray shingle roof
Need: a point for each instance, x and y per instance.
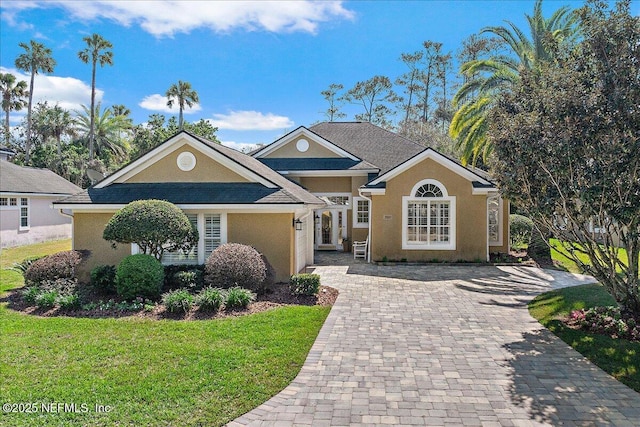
(369, 142)
(184, 193)
(21, 179)
(301, 164)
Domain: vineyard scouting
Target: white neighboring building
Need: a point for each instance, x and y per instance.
(26, 213)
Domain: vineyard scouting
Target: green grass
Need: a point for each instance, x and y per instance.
(153, 373)
(618, 357)
(17, 254)
(560, 255)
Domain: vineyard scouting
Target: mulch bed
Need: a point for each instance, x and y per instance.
(278, 297)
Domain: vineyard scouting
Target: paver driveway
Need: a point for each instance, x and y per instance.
(439, 345)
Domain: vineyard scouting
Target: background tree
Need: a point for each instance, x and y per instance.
(331, 95)
(36, 58)
(107, 128)
(410, 83)
(53, 122)
(98, 51)
(14, 96)
(373, 95)
(155, 226)
(183, 93)
(567, 139)
(488, 77)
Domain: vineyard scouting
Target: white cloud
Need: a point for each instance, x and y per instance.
(244, 147)
(157, 102)
(250, 120)
(168, 17)
(68, 92)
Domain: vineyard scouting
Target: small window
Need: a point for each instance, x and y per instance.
(339, 200)
(494, 219)
(24, 213)
(428, 190)
(361, 213)
(4, 201)
(179, 257)
(13, 201)
(212, 233)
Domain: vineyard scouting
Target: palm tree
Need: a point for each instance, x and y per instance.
(184, 94)
(98, 52)
(489, 77)
(53, 122)
(13, 98)
(37, 57)
(106, 131)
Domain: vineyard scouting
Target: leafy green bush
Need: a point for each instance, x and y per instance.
(30, 293)
(178, 300)
(519, 230)
(139, 275)
(103, 278)
(61, 265)
(210, 298)
(235, 264)
(304, 284)
(46, 299)
(538, 249)
(237, 297)
(154, 225)
(175, 279)
(68, 302)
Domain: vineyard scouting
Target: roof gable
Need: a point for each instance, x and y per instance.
(181, 140)
(316, 146)
(444, 161)
(22, 179)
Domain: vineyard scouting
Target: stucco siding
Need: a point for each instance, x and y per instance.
(471, 217)
(87, 235)
(167, 170)
(270, 234)
(340, 184)
(290, 150)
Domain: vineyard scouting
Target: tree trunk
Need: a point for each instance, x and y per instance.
(6, 128)
(27, 145)
(93, 100)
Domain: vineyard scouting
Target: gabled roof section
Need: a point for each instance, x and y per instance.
(369, 142)
(22, 179)
(317, 164)
(476, 179)
(215, 151)
(303, 131)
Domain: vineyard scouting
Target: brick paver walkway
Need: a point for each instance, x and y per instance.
(436, 345)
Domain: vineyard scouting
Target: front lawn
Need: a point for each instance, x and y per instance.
(559, 255)
(618, 357)
(142, 371)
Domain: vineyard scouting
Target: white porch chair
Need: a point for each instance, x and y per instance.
(360, 249)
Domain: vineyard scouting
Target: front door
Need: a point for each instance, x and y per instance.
(331, 227)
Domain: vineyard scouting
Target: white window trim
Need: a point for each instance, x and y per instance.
(356, 223)
(349, 195)
(8, 206)
(28, 206)
(223, 233)
(433, 246)
(500, 219)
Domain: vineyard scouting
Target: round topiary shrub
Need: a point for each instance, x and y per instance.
(234, 264)
(139, 275)
(519, 230)
(103, 278)
(61, 265)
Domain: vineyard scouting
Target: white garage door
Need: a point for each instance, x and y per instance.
(301, 248)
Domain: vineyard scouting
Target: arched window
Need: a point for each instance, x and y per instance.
(428, 217)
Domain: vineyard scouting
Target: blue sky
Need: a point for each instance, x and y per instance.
(258, 67)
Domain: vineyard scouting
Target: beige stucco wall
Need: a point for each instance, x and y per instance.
(270, 234)
(313, 184)
(206, 170)
(289, 150)
(471, 217)
(87, 234)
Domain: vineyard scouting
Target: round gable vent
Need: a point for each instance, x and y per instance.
(302, 145)
(186, 161)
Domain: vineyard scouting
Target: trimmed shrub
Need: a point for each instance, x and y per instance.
(238, 298)
(68, 302)
(183, 276)
(538, 249)
(30, 294)
(139, 275)
(235, 264)
(61, 265)
(210, 298)
(304, 284)
(103, 278)
(519, 230)
(64, 286)
(178, 300)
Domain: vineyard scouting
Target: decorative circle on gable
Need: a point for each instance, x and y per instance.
(186, 161)
(302, 145)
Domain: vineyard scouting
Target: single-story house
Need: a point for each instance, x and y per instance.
(309, 190)
(26, 212)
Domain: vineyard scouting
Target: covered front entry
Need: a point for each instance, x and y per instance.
(331, 227)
